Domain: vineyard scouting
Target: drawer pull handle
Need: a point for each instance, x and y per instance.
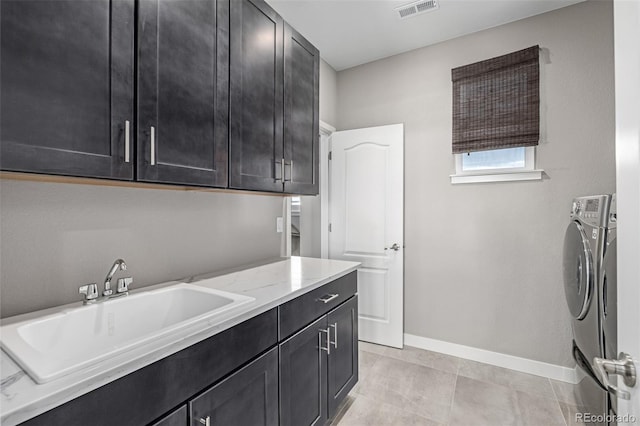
(335, 334)
(328, 298)
(206, 421)
(127, 143)
(328, 348)
(152, 154)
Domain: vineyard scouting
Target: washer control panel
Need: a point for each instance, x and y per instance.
(593, 210)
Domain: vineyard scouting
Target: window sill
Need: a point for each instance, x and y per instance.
(497, 177)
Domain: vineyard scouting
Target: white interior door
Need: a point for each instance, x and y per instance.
(627, 75)
(366, 211)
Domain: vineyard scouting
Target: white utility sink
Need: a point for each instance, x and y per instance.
(57, 344)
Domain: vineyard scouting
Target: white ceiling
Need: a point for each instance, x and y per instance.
(354, 32)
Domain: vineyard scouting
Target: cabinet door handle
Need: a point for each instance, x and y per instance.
(279, 168)
(335, 334)
(127, 142)
(290, 171)
(328, 298)
(206, 421)
(153, 146)
(328, 348)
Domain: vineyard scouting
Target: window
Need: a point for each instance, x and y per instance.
(496, 115)
(497, 165)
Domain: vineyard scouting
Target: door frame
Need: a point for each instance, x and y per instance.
(326, 130)
(627, 91)
(325, 146)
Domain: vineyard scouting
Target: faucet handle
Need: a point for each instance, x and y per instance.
(123, 284)
(90, 292)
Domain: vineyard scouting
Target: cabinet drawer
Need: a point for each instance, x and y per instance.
(176, 418)
(295, 314)
(247, 397)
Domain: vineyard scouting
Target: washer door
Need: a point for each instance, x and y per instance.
(610, 300)
(578, 270)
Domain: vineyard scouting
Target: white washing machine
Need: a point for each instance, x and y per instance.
(584, 251)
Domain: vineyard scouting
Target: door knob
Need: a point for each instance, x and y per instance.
(623, 366)
(394, 247)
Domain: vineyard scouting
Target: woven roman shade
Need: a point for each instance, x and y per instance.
(496, 103)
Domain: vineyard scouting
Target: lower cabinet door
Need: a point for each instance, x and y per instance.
(247, 397)
(303, 376)
(342, 368)
(175, 418)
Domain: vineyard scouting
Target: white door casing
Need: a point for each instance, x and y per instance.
(627, 86)
(367, 218)
(326, 130)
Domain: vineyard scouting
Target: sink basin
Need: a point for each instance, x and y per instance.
(57, 344)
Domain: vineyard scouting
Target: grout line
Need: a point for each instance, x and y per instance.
(558, 402)
(453, 398)
(553, 390)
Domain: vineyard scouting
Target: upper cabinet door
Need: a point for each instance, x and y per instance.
(183, 79)
(67, 87)
(301, 114)
(256, 81)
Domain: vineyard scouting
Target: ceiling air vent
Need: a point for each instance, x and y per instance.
(416, 8)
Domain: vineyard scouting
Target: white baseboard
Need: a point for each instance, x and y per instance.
(552, 371)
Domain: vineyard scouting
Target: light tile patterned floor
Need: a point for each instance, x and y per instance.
(416, 387)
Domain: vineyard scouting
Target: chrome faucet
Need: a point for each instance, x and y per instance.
(117, 265)
(90, 291)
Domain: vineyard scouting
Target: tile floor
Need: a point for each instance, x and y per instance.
(416, 387)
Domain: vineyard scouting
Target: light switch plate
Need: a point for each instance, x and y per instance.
(279, 224)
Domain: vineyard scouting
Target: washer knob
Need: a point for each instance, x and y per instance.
(575, 209)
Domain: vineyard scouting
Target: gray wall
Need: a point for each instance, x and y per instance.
(483, 261)
(56, 237)
(328, 93)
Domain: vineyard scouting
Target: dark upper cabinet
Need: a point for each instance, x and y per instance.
(342, 367)
(303, 376)
(247, 397)
(256, 87)
(274, 81)
(301, 114)
(66, 84)
(183, 86)
(227, 93)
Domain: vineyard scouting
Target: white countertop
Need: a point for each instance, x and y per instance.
(271, 285)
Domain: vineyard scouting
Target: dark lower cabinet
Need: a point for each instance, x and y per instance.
(67, 87)
(303, 376)
(247, 397)
(342, 368)
(175, 418)
(183, 86)
(319, 366)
